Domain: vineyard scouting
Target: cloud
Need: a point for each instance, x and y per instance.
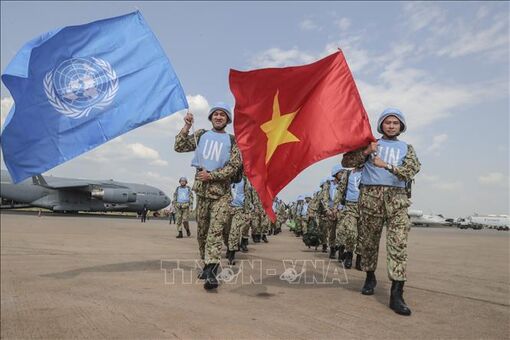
(198, 105)
(276, 57)
(309, 25)
(343, 23)
(493, 178)
(420, 15)
(6, 107)
(117, 151)
(448, 186)
(437, 142)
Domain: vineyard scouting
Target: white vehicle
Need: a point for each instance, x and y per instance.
(499, 222)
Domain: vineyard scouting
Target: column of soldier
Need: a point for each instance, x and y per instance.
(346, 214)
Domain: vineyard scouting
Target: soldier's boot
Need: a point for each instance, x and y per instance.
(211, 282)
(257, 239)
(264, 238)
(244, 245)
(253, 237)
(203, 274)
(179, 235)
(358, 262)
(270, 232)
(324, 248)
(370, 283)
(332, 252)
(397, 302)
(186, 226)
(231, 257)
(348, 260)
(341, 249)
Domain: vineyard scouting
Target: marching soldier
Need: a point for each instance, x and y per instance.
(389, 166)
(240, 206)
(183, 203)
(348, 221)
(218, 162)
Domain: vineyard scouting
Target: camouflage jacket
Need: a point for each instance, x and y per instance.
(405, 172)
(174, 201)
(341, 188)
(325, 192)
(219, 184)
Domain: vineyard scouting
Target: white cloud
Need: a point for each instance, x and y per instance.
(493, 178)
(276, 57)
(6, 107)
(343, 23)
(421, 15)
(198, 105)
(117, 150)
(437, 142)
(141, 151)
(448, 186)
(309, 25)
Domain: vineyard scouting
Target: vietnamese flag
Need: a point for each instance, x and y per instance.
(288, 118)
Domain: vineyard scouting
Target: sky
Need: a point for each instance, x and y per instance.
(444, 64)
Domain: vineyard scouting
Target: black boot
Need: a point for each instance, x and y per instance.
(348, 259)
(244, 245)
(358, 262)
(180, 235)
(324, 248)
(227, 254)
(332, 252)
(186, 226)
(211, 282)
(341, 249)
(370, 283)
(397, 302)
(257, 238)
(203, 274)
(231, 257)
(270, 232)
(264, 238)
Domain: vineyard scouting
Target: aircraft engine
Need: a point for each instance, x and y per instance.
(115, 195)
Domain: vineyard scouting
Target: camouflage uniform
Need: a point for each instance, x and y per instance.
(348, 218)
(330, 213)
(182, 209)
(385, 205)
(213, 199)
(240, 217)
(281, 216)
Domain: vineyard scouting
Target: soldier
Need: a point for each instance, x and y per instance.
(348, 221)
(240, 205)
(218, 162)
(389, 167)
(323, 219)
(327, 202)
(183, 203)
(281, 217)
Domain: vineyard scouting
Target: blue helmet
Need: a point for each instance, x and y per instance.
(336, 169)
(300, 198)
(223, 107)
(183, 179)
(392, 112)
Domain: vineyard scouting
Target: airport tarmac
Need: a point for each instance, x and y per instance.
(82, 277)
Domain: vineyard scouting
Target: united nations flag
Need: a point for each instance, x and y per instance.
(77, 87)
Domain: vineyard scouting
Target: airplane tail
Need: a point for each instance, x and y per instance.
(39, 180)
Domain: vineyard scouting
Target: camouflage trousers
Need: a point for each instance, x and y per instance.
(330, 228)
(347, 227)
(323, 227)
(245, 229)
(381, 206)
(263, 223)
(212, 219)
(239, 220)
(181, 214)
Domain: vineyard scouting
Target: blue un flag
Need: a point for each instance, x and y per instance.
(77, 87)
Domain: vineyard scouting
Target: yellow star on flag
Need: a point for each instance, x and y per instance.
(276, 129)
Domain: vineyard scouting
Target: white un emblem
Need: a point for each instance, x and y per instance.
(78, 85)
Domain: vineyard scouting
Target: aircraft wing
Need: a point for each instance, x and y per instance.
(73, 184)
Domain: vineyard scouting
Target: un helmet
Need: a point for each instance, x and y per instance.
(392, 112)
(223, 107)
(183, 179)
(336, 169)
(300, 198)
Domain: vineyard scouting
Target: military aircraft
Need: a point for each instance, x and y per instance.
(73, 195)
(418, 218)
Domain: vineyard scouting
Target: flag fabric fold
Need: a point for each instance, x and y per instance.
(77, 87)
(286, 119)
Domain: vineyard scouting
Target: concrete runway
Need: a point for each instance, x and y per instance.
(81, 277)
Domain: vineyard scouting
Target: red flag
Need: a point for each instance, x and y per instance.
(288, 118)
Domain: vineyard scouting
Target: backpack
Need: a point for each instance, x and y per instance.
(238, 176)
(312, 237)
